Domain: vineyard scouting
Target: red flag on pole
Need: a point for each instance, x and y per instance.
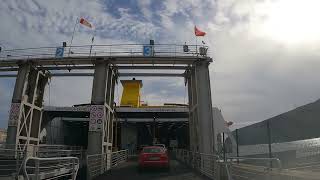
(85, 23)
(197, 32)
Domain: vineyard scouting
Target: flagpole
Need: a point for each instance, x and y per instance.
(94, 33)
(197, 45)
(195, 27)
(74, 29)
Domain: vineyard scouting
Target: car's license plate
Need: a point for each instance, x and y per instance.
(154, 158)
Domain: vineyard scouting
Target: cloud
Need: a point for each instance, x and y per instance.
(145, 8)
(255, 74)
(51, 22)
(255, 79)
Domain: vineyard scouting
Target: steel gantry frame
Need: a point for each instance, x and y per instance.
(33, 72)
(26, 107)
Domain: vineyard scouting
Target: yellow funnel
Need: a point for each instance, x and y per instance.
(131, 93)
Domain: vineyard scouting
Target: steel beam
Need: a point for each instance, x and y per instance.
(64, 67)
(192, 138)
(116, 60)
(96, 136)
(71, 74)
(16, 99)
(153, 74)
(120, 74)
(52, 74)
(153, 67)
(111, 105)
(107, 131)
(204, 109)
(48, 68)
(99, 84)
(193, 108)
(26, 107)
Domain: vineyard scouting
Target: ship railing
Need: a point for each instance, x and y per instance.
(98, 164)
(270, 161)
(128, 50)
(43, 150)
(12, 156)
(231, 168)
(253, 168)
(11, 163)
(119, 157)
(51, 168)
(201, 162)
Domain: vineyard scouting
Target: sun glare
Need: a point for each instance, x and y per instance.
(291, 21)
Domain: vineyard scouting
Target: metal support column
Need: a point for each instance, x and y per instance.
(269, 141)
(97, 110)
(237, 141)
(204, 107)
(191, 124)
(154, 130)
(109, 110)
(224, 147)
(111, 106)
(26, 109)
(193, 108)
(16, 100)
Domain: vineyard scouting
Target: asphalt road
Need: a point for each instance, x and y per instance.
(130, 171)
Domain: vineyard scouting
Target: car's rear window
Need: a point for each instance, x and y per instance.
(152, 150)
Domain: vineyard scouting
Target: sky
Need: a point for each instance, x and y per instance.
(265, 52)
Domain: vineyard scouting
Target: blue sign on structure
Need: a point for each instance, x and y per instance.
(147, 51)
(59, 52)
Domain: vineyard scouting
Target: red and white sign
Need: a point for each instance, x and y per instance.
(97, 117)
(14, 114)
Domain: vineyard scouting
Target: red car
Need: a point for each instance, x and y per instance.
(153, 156)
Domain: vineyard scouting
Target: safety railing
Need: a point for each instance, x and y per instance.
(130, 50)
(59, 147)
(269, 161)
(45, 150)
(119, 157)
(59, 151)
(97, 164)
(12, 156)
(204, 163)
(232, 167)
(253, 168)
(51, 168)
(132, 152)
(228, 173)
(11, 163)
